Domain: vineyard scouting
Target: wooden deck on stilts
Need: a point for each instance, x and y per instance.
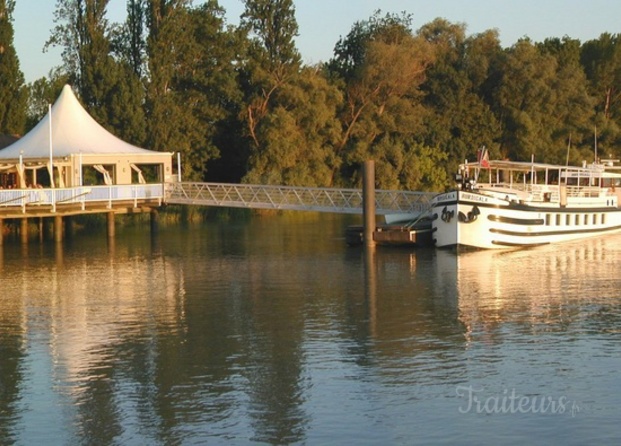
(24, 204)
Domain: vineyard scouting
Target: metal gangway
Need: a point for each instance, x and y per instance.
(253, 196)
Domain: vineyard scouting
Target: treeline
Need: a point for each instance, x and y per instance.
(240, 105)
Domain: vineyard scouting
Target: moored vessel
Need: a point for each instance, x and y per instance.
(508, 204)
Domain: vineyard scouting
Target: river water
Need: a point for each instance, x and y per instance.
(271, 330)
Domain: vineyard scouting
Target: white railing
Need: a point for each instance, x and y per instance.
(26, 198)
(347, 201)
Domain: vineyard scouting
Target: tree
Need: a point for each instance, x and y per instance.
(601, 59)
(191, 85)
(168, 119)
(128, 40)
(272, 56)
(13, 94)
(380, 66)
(525, 100)
(571, 123)
(542, 100)
(459, 118)
(208, 80)
(299, 135)
(109, 90)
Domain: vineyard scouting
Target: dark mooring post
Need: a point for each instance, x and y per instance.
(368, 202)
(69, 227)
(1, 231)
(154, 222)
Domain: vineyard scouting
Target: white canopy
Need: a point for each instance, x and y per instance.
(73, 131)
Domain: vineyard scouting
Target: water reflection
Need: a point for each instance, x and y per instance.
(12, 332)
(370, 275)
(273, 333)
(76, 314)
(543, 289)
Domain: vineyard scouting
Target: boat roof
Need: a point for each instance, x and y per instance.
(512, 165)
(591, 170)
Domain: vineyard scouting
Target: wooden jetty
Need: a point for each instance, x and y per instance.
(57, 206)
(69, 165)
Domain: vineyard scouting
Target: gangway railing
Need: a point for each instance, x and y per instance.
(346, 201)
(335, 200)
(81, 195)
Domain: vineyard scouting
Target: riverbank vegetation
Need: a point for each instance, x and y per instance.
(239, 104)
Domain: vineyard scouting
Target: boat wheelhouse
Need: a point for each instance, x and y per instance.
(506, 204)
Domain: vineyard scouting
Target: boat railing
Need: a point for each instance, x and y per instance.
(549, 192)
(526, 192)
(585, 191)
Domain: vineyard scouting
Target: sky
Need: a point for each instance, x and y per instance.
(322, 22)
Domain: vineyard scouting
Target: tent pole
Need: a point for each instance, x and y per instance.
(51, 151)
(22, 180)
(179, 167)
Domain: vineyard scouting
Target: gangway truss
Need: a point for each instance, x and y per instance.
(335, 200)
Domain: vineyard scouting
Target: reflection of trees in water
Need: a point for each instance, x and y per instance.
(228, 331)
(11, 364)
(88, 308)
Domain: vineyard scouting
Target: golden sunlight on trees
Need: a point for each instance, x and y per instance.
(239, 105)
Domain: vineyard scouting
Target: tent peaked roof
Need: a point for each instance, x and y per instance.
(73, 131)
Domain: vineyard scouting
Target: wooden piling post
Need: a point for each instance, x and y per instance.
(111, 225)
(23, 230)
(368, 202)
(58, 228)
(1, 231)
(41, 227)
(370, 275)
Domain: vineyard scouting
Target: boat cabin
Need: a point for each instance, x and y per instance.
(540, 182)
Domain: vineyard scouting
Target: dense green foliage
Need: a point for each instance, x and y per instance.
(240, 106)
(13, 94)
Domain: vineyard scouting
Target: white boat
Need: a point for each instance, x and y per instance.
(508, 204)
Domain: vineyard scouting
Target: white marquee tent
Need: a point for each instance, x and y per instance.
(68, 140)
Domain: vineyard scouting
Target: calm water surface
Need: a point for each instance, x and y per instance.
(273, 331)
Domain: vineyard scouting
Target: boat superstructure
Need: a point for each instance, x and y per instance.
(505, 204)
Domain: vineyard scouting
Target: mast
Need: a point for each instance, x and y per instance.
(595, 144)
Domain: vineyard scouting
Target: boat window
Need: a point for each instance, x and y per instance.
(586, 219)
(603, 219)
(594, 219)
(548, 219)
(558, 219)
(567, 220)
(577, 220)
